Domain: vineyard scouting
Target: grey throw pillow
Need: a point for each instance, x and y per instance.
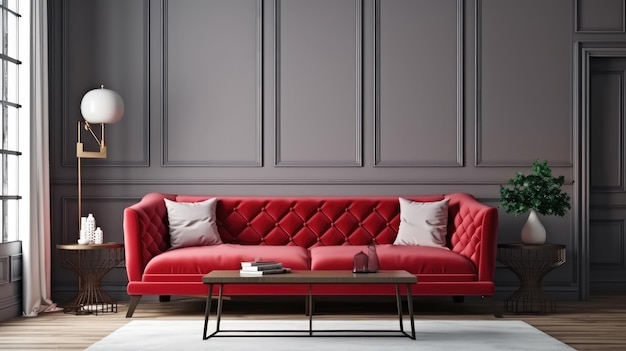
(192, 223)
(423, 223)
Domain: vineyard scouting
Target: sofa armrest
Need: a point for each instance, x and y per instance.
(145, 232)
(473, 227)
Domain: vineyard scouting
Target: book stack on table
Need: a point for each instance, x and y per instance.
(255, 268)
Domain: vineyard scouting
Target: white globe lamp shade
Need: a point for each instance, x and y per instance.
(102, 106)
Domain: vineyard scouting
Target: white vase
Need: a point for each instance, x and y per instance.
(90, 228)
(98, 236)
(83, 225)
(533, 232)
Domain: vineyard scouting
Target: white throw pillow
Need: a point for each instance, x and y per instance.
(423, 223)
(192, 223)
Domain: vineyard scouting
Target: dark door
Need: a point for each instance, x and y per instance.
(607, 226)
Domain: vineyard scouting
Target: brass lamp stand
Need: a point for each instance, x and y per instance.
(81, 153)
(98, 106)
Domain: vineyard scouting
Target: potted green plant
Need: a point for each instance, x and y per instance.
(538, 192)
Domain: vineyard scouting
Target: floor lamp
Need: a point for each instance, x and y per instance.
(98, 106)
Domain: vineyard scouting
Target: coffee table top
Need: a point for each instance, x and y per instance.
(312, 277)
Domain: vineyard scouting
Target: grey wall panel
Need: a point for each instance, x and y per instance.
(604, 114)
(600, 16)
(523, 78)
(419, 71)
(5, 270)
(318, 83)
(105, 43)
(108, 211)
(606, 246)
(212, 88)
(17, 267)
(607, 131)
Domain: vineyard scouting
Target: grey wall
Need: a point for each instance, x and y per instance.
(323, 97)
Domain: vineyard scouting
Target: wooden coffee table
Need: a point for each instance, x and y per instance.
(310, 278)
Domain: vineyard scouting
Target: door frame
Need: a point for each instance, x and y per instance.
(585, 52)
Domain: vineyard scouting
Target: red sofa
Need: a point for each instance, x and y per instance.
(309, 233)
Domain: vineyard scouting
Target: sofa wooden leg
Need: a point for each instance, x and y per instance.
(134, 301)
(165, 298)
(458, 299)
(308, 308)
(495, 305)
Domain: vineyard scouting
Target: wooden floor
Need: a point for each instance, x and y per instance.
(597, 324)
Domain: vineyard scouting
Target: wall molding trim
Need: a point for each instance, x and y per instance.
(301, 181)
(478, 90)
(358, 151)
(580, 30)
(5, 270)
(258, 157)
(16, 267)
(69, 127)
(585, 52)
(620, 187)
(460, 108)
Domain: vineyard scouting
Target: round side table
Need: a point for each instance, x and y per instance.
(91, 263)
(530, 263)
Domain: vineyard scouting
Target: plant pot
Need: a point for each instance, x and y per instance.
(533, 232)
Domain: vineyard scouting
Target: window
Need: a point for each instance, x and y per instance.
(12, 117)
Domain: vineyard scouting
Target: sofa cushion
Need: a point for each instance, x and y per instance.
(423, 223)
(203, 259)
(428, 263)
(192, 224)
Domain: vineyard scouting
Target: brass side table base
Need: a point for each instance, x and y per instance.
(91, 263)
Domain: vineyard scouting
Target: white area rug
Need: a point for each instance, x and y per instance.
(186, 335)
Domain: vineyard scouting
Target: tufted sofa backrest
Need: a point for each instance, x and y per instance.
(308, 221)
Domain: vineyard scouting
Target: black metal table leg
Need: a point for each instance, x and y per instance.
(207, 312)
(220, 302)
(399, 304)
(310, 310)
(409, 297)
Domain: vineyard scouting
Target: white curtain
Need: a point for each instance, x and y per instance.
(36, 246)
